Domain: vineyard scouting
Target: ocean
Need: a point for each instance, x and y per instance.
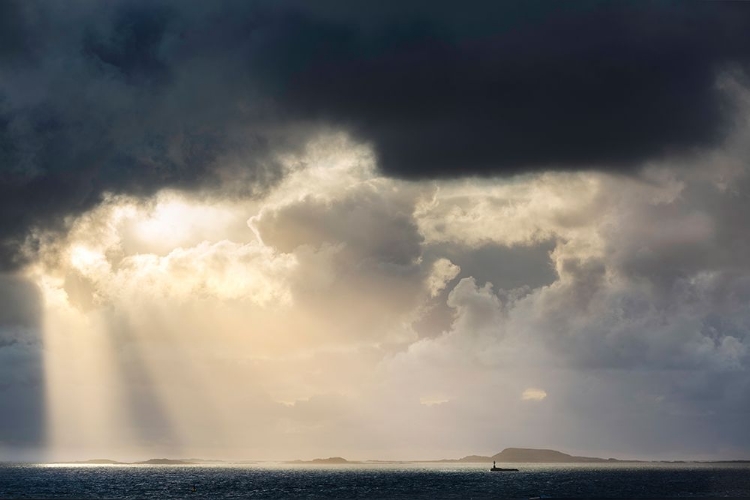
(376, 481)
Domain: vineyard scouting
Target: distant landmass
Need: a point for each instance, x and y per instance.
(99, 461)
(531, 455)
(324, 461)
(152, 461)
(165, 461)
(508, 455)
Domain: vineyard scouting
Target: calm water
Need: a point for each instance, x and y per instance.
(372, 481)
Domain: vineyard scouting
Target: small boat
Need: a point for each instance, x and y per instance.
(499, 469)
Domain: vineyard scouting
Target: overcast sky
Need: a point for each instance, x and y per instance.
(279, 230)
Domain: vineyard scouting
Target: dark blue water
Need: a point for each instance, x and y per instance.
(412, 481)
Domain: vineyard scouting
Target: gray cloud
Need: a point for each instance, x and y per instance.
(507, 267)
(371, 224)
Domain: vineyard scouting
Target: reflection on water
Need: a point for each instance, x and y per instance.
(414, 480)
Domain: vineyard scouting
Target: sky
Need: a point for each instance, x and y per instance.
(280, 230)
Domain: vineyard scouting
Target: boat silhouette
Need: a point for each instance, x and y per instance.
(500, 469)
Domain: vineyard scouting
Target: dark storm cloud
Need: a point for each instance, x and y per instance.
(514, 89)
(130, 97)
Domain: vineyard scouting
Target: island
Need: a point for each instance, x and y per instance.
(532, 455)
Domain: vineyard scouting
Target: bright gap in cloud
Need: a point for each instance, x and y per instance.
(533, 394)
(433, 400)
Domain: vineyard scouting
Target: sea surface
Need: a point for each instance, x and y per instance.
(401, 481)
